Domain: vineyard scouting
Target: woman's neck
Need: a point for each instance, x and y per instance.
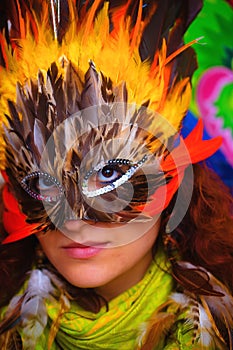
(122, 283)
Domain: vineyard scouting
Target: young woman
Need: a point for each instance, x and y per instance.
(111, 238)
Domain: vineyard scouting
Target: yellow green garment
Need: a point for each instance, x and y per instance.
(122, 327)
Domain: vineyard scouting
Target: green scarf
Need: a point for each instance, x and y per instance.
(121, 326)
(130, 315)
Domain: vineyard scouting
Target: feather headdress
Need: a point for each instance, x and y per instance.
(93, 96)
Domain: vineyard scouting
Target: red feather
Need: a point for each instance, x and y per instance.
(191, 150)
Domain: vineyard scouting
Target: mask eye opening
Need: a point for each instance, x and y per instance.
(27, 185)
(120, 180)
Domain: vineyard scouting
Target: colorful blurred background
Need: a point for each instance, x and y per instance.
(212, 97)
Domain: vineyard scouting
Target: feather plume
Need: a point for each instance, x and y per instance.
(33, 309)
(156, 330)
(28, 312)
(92, 29)
(198, 322)
(216, 300)
(219, 311)
(196, 279)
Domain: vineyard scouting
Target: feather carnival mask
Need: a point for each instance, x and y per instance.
(92, 100)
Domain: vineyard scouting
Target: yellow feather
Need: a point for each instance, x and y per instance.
(64, 307)
(112, 55)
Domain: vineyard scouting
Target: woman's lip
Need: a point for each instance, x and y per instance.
(83, 251)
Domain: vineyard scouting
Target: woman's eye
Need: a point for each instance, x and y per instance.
(106, 177)
(45, 184)
(108, 174)
(42, 186)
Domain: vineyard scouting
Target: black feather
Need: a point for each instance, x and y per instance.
(195, 279)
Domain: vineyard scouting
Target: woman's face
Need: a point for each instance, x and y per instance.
(108, 257)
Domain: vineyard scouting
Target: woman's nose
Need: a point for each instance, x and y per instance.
(73, 225)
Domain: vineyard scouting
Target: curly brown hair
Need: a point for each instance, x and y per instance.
(207, 230)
